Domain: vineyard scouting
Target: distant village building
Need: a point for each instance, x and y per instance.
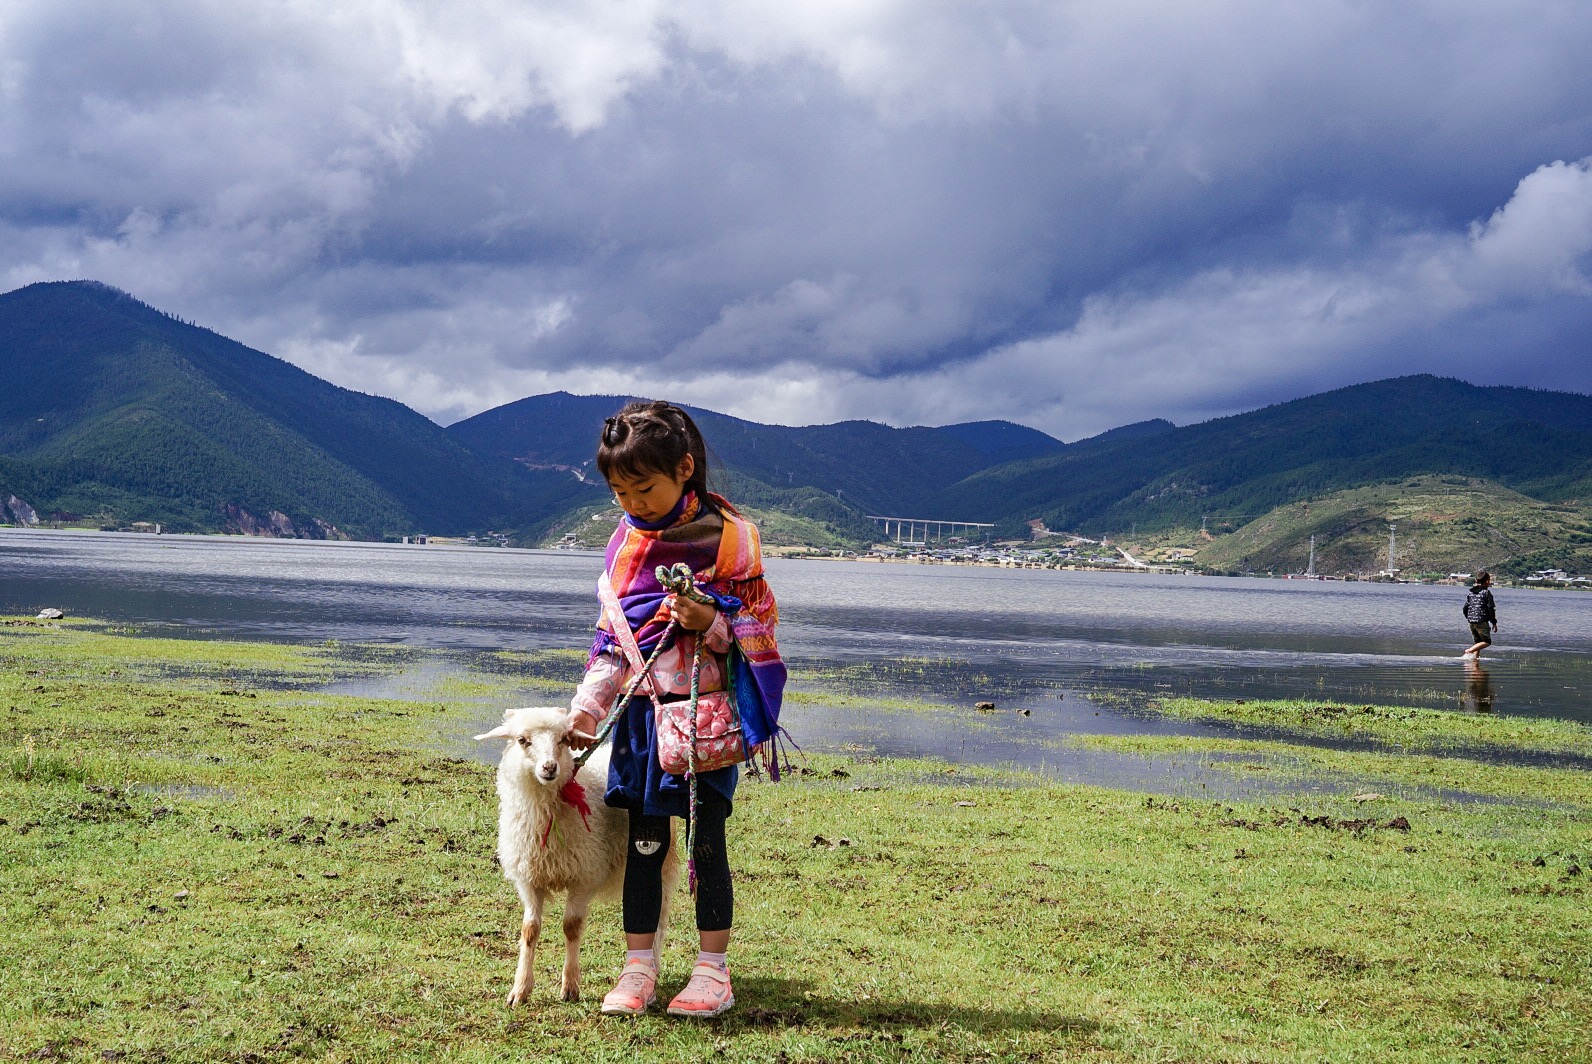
(1557, 576)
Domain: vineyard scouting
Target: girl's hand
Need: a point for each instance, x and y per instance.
(582, 730)
(694, 616)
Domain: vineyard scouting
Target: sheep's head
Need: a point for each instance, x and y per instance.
(538, 740)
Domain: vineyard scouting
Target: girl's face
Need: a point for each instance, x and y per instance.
(651, 496)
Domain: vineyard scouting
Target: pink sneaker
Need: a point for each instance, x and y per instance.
(707, 994)
(636, 990)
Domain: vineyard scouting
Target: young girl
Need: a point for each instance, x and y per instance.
(654, 459)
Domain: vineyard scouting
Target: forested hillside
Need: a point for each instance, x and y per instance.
(1444, 524)
(112, 410)
(864, 465)
(114, 413)
(1235, 469)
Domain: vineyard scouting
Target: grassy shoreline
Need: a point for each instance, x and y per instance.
(206, 856)
(1414, 728)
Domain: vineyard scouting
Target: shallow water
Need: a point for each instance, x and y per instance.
(1029, 631)
(940, 637)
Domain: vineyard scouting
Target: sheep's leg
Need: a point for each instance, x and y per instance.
(575, 908)
(530, 931)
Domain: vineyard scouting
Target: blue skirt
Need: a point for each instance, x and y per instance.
(637, 782)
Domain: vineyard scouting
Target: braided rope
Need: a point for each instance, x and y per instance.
(679, 580)
(682, 581)
(630, 689)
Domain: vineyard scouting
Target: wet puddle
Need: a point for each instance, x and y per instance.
(184, 791)
(1038, 736)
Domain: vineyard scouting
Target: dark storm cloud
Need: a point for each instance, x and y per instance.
(1072, 215)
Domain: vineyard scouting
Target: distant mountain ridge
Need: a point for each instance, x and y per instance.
(112, 407)
(1240, 467)
(870, 466)
(1153, 475)
(114, 410)
(111, 410)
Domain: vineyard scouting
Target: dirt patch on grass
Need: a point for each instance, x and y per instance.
(1295, 817)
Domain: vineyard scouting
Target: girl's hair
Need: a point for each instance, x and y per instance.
(1484, 577)
(653, 437)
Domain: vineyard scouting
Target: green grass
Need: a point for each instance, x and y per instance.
(869, 678)
(194, 867)
(864, 702)
(1359, 771)
(1410, 727)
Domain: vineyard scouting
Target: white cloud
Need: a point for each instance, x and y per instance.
(1540, 239)
(496, 60)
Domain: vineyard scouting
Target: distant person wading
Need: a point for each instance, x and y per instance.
(1481, 612)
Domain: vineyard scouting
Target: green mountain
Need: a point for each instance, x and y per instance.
(1232, 470)
(1444, 524)
(559, 431)
(860, 466)
(113, 411)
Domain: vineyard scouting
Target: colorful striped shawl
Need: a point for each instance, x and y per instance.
(725, 551)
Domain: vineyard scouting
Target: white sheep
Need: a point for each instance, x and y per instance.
(546, 845)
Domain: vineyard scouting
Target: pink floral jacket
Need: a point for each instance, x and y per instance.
(607, 676)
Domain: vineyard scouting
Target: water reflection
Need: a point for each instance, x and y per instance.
(1479, 693)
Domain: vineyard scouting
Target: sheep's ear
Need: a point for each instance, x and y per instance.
(500, 732)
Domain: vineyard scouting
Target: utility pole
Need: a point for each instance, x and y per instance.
(1391, 569)
(1311, 569)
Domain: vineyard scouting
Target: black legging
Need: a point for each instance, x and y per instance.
(715, 899)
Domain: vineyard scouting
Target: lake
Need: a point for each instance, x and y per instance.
(939, 637)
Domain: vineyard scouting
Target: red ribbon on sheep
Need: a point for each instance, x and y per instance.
(574, 795)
